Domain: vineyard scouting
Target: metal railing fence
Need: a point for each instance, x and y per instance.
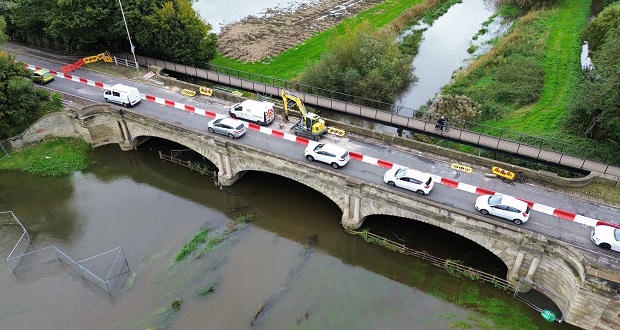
(387, 113)
(530, 293)
(452, 266)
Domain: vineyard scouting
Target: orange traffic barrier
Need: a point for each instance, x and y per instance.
(502, 173)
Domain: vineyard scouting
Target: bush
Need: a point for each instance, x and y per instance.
(457, 107)
(595, 111)
(596, 32)
(362, 63)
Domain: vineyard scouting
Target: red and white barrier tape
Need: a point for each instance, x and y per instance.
(356, 156)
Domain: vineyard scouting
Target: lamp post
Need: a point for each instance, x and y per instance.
(129, 36)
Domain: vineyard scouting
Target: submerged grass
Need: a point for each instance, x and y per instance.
(53, 157)
(208, 289)
(222, 235)
(198, 239)
(494, 308)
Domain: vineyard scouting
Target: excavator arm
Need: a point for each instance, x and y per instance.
(286, 96)
(309, 122)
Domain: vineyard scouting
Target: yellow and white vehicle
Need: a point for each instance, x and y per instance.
(310, 125)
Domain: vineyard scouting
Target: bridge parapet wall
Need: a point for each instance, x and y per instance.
(594, 302)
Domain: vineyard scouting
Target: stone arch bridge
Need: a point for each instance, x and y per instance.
(593, 303)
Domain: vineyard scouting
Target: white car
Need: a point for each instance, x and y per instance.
(230, 127)
(327, 153)
(420, 182)
(506, 207)
(606, 237)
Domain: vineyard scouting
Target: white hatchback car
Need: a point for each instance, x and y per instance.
(327, 153)
(230, 127)
(420, 182)
(506, 207)
(606, 237)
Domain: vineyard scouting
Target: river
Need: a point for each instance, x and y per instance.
(151, 208)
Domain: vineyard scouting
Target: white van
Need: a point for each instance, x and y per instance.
(124, 95)
(259, 112)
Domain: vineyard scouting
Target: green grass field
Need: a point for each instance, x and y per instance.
(55, 157)
(292, 62)
(561, 64)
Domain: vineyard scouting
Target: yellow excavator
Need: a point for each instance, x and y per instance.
(310, 125)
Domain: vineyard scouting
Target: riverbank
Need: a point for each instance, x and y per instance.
(52, 157)
(397, 14)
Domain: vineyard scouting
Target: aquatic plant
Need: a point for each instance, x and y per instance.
(207, 290)
(176, 304)
(244, 218)
(198, 239)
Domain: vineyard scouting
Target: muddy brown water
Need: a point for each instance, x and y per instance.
(151, 208)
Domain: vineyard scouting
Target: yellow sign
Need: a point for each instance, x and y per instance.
(188, 92)
(206, 91)
(503, 173)
(238, 93)
(336, 131)
(462, 168)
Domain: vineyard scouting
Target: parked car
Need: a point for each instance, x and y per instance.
(327, 153)
(42, 76)
(420, 182)
(230, 127)
(506, 207)
(606, 237)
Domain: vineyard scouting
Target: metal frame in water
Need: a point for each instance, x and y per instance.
(103, 269)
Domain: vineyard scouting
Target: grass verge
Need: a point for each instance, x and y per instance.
(561, 65)
(53, 157)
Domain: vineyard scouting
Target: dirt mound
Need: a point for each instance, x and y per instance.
(256, 38)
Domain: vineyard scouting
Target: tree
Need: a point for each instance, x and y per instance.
(28, 19)
(3, 36)
(596, 32)
(20, 103)
(456, 107)
(83, 28)
(362, 63)
(596, 109)
(175, 32)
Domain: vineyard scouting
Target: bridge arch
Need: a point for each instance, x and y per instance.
(501, 251)
(298, 174)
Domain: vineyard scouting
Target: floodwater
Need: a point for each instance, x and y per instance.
(292, 262)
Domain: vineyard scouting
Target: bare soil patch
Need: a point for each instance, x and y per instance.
(255, 38)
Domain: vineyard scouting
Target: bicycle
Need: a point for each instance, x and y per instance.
(443, 127)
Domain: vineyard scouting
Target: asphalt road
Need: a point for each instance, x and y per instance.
(575, 234)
